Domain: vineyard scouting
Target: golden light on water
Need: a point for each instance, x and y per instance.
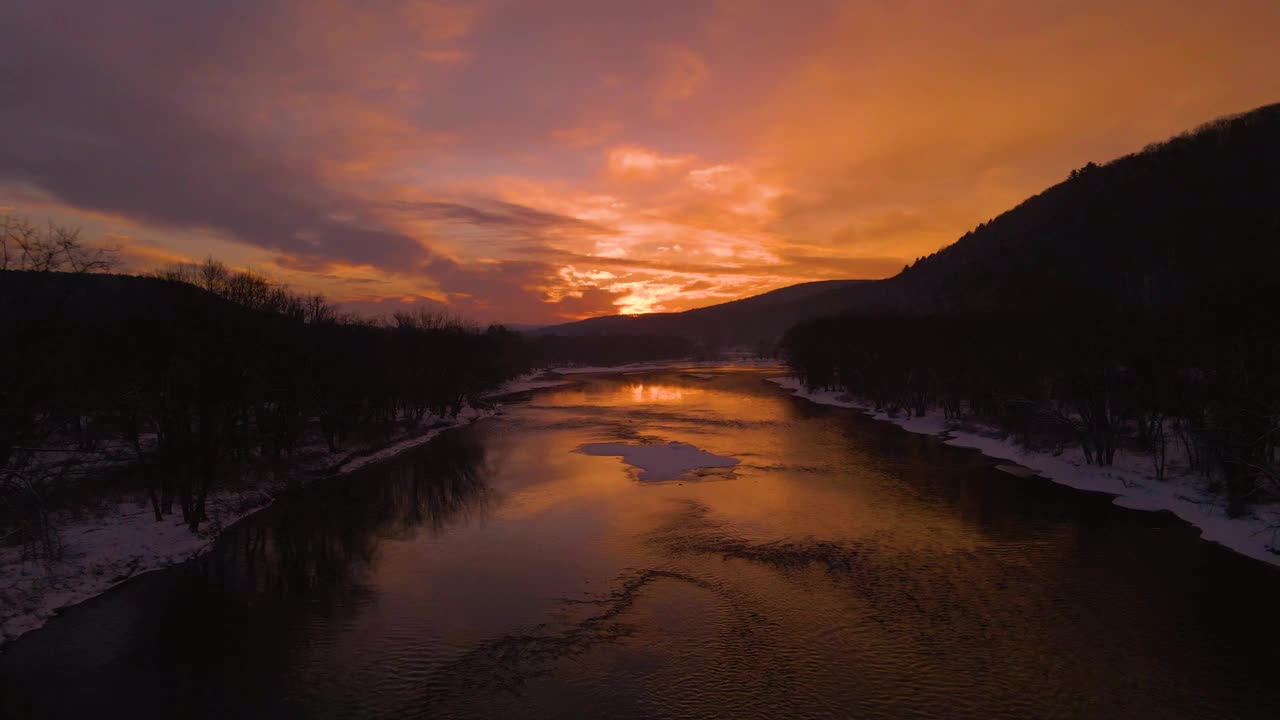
(641, 393)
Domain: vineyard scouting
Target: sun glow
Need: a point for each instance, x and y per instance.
(465, 153)
(642, 393)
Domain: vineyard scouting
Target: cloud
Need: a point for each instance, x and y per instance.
(518, 219)
(586, 136)
(682, 73)
(137, 257)
(525, 291)
(134, 140)
(668, 154)
(630, 161)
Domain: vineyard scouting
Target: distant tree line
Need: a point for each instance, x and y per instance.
(561, 350)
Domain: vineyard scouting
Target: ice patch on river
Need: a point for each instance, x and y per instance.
(1130, 479)
(660, 462)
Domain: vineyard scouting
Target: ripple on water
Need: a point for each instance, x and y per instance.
(853, 571)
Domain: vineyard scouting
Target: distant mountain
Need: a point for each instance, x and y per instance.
(524, 327)
(1194, 218)
(738, 322)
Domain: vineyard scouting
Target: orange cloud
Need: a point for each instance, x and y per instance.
(633, 162)
(585, 136)
(541, 161)
(681, 74)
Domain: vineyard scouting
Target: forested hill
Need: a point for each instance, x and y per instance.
(1130, 307)
(206, 382)
(1194, 217)
(738, 322)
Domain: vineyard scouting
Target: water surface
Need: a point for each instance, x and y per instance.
(843, 568)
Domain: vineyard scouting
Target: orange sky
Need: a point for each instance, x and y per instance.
(539, 161)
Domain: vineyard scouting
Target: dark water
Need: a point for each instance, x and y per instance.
(844, 569)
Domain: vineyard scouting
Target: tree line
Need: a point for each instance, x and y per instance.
(199, 374)
(553, 350)
(1201, 382)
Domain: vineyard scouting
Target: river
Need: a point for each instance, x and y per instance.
(843, 568)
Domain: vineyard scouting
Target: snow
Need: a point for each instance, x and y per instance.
(525, 383)
(125, 540)
(468, 415)
(660, 462)
(641, 368)
(1130, 479)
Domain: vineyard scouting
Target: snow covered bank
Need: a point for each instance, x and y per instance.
(466, 417)
(525, 383)
(1131, 479)
(638, 368)
(660, 462)
(124, 540)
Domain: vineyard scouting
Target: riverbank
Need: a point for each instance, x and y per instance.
(112, 542)
(119, 540)
(1131, 479)
(536, 380)
(660, 365)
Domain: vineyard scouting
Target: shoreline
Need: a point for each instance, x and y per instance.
(110, 548)
(107, 545)
(1255, 535)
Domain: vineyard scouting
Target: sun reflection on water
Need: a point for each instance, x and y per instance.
(655, 393)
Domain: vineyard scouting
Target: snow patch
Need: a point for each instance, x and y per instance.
(525, 383)
(1131, 478)
(1018, 471)
(660, 462)
(468, 415)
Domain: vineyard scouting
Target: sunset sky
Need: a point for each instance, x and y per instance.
(536, 161)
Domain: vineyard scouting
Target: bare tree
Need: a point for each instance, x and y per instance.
(318, 311)
(55, 248)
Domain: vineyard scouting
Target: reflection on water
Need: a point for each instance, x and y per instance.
(844, 569)
(328, 539)
(656, 393)
(215, 635)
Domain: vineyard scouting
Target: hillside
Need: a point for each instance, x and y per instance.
(1128, 311)
(1179, 222)
(739, 322)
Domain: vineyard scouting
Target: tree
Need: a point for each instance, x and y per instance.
(55, 248)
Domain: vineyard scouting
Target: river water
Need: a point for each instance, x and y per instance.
(843, 569)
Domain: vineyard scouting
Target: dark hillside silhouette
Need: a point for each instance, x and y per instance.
(1195, 219)
(738, 323)
(1132, 304)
